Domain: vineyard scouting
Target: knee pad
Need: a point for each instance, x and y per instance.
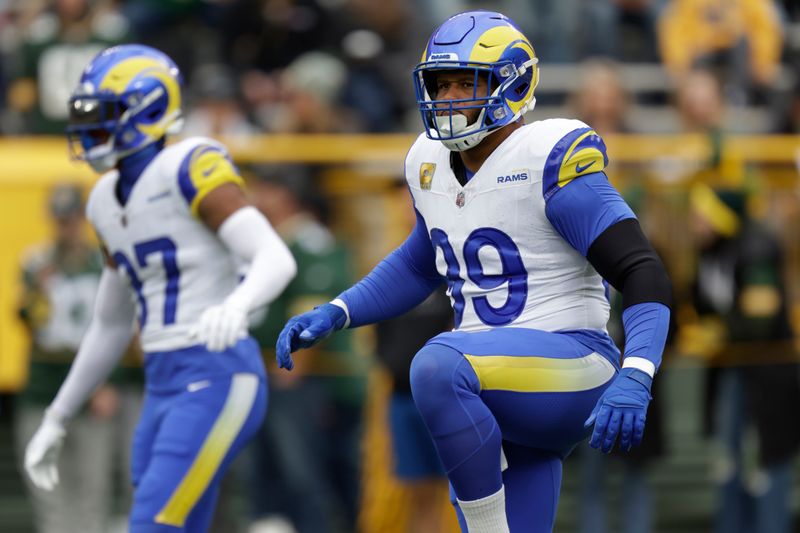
(437, 375)
(446, 391)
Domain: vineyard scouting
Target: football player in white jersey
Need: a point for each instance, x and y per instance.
(175, 227)
(522, 224)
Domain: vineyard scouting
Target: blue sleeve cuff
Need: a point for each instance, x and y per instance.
(400, 282)
(585, 208)
(646, 327)
(639, 376)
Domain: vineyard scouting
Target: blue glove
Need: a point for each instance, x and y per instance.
(304, 331)
(621, 410)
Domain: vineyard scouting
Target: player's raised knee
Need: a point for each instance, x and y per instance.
(437, 368)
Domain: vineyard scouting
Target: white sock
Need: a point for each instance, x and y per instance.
(487, 515)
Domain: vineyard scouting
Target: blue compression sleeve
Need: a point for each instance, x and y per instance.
(581, 211)
(646, 327)
(397, 284)
(585, 208)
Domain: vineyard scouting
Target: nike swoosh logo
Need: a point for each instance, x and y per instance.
(207, 173)
(198, 385)
(488, 45)
(579, 168)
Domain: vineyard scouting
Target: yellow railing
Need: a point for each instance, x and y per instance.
(45, 158)
(32, 165)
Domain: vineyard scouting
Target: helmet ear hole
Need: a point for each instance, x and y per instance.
(522, 89)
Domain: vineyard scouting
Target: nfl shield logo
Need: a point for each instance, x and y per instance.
(426, 171)
(460, 199)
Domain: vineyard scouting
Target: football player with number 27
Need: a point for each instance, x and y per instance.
(175, 226)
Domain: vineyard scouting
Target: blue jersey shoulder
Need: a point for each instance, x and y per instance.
(578, 153)
(581, 209)
(203, 169)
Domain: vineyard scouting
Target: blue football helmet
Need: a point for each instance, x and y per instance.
(483, 43)
(128, 97)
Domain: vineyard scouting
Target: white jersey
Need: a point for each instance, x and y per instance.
(505, 263)
(175, 265)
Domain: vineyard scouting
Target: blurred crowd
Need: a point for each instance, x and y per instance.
(298, 66)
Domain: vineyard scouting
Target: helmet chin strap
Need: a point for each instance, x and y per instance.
(103, 164)
(102, 157)
(465, 143)
(453, 126)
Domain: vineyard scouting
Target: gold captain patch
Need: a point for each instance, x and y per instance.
(426, 171)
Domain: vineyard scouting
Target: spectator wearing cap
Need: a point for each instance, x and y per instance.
(753, 384)
(59, 280)
(306, 458)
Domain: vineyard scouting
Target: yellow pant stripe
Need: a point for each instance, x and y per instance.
(541, 374)
(241, 396)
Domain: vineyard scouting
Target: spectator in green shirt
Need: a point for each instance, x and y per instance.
(306, 458)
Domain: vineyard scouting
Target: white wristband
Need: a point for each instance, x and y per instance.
(338, 302)
(640, 363)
